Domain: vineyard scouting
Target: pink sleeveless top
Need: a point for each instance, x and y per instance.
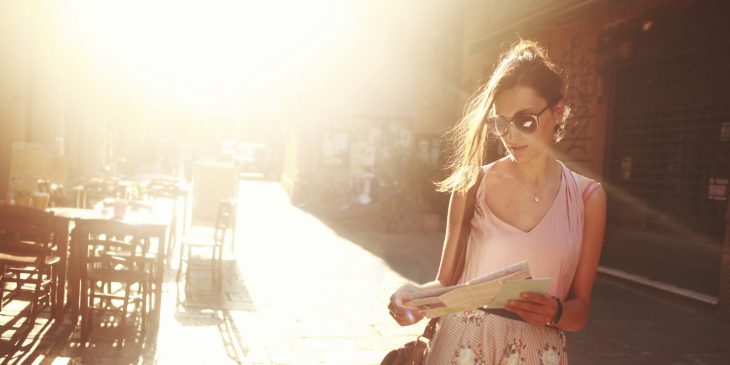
(552, 248)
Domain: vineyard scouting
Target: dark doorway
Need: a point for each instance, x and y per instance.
(668, 162)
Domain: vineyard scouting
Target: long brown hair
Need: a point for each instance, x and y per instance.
(524, 63)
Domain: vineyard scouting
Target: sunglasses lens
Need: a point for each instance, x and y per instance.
(525, 123)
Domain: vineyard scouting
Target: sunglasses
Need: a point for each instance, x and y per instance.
(524, 123)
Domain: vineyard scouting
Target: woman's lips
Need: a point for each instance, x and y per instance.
(517, 149)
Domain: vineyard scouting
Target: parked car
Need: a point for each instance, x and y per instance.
(254, 158)
(228, 151)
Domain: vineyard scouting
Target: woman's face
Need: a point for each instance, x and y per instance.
(523, 100)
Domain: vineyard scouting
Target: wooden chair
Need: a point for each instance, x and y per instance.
(166, 189)
(97, 190)
(115, 272)
(28, 257)
(214, 243)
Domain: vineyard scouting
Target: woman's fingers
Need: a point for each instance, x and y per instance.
(528, 307)
(405, 316)
(403, 313)
(534, 308)
(537, 298)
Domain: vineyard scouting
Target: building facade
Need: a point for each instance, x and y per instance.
(647, 83)
(53, 119)
(376, 121)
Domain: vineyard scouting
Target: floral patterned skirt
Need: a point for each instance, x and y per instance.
(478, 338)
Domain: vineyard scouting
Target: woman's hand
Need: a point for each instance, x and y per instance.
(537, 309)
(400, 310)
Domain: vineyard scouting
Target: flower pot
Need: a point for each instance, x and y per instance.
(40, 200)
(23, 201)
(120, 209)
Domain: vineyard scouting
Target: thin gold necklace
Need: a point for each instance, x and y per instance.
(536, 194)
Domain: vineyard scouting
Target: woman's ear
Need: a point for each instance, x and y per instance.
(558, 110)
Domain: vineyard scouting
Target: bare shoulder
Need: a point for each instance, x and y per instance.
(594, 194)
(498, 172)
(584, 181)
(594, 200)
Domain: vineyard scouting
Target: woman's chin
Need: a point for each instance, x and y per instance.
(521, 158)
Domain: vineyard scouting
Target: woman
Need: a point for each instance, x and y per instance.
(529, 206)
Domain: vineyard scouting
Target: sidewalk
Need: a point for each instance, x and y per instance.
(633, 325)
(321, 297)
(303, 291)
(629, 324)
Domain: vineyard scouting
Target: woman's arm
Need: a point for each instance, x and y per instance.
(575, 308)
(454, 230)
(398, 306)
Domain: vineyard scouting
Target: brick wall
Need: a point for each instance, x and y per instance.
(586, 42)
(571, 34)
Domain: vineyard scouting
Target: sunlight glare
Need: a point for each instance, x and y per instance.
(205, 52)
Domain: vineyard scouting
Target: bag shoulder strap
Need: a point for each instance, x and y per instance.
(469, 205)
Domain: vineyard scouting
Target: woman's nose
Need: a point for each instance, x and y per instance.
(512, 133)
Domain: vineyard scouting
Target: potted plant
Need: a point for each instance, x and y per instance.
(433, 204)
(22, 197)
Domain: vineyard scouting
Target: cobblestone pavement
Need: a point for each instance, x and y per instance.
(315, 292)
(298, 293)
(304, 291)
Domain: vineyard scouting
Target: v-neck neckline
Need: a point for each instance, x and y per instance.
(539, 223)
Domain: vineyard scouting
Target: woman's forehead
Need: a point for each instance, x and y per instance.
(510, 101)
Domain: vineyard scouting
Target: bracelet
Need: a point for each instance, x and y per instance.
(558, 313)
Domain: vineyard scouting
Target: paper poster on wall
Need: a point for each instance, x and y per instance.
(717, 189)
(725, 132)
(335, 148)
(435, 156)
(626, 162)
(424, 150)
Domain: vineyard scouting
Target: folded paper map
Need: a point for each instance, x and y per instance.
(490, 291)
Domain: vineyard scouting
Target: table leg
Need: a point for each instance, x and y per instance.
(74, 275)
(61, 238)
(159, 273)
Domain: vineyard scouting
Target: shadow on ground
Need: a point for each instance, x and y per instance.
(21, 341)
(50, 341)
(411, 253)
(201, 303)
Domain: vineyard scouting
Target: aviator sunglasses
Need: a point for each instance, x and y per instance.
(525, 123)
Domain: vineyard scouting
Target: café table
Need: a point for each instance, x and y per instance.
(178, 190)
(156, 225)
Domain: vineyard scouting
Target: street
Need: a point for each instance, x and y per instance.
(298, 294)
(299, 290)
(302, 292)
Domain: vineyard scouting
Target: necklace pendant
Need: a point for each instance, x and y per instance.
(536, 199)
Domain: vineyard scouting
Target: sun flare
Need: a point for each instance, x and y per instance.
(204, 53)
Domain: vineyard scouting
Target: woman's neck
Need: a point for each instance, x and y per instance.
(537, 170)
